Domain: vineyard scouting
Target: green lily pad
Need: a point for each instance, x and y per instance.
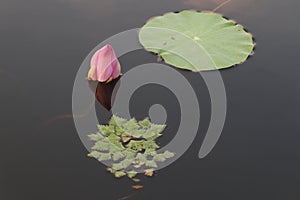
(197, 41)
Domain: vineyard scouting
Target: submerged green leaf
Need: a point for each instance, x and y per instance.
(114, 139)
(131, 174)
(129, 152)
(136, 145)
(151, 163)
(104, 156)
(131, 125)
(119, 174)
(94, 154)
(150, 152)
(127, 162)
(118, 155)
(117, 121)
(150, 144)
(101, 146)
(125, 137)
(159, 157)
(117, 166)
(141, 157)
(168, 154)
(106, 130)
(96, 137)
(145, 123)
(197, 41)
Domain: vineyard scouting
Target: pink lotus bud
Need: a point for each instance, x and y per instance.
(104, 65)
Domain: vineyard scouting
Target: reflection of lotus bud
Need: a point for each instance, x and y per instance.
(104, 65)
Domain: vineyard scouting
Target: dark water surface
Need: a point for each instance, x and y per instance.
(42, 45)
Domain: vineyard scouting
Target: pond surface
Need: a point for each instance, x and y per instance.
(42, 46)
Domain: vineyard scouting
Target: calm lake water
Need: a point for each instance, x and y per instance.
(42, 46)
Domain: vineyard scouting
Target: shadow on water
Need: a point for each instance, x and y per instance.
(103, 94)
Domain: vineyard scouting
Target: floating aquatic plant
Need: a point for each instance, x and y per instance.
(130, 145)
(197, 41)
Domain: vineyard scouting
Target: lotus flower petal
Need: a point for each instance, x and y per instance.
(104, 65)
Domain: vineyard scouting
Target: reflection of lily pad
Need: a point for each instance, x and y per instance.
(197, 41)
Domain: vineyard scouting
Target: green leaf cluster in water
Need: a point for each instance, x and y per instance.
(130, 145)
